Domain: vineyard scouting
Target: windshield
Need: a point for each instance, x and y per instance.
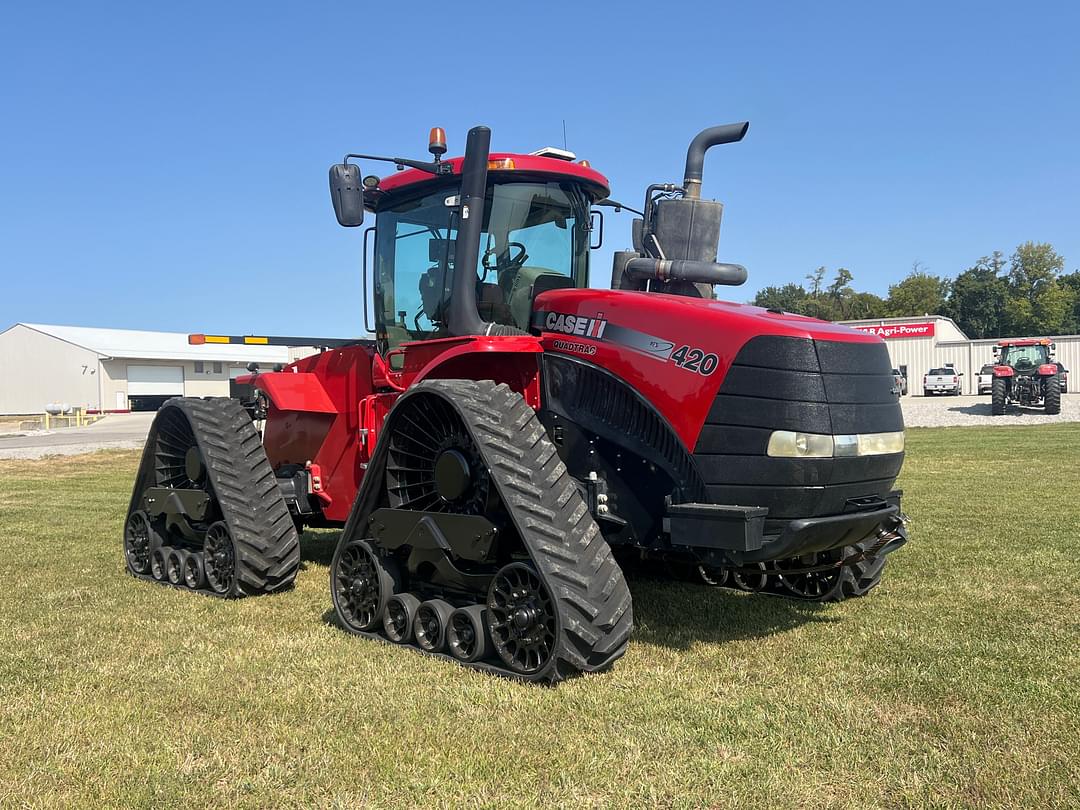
(1021, 356)
(988, 369)
(530, 230)
(942, 372)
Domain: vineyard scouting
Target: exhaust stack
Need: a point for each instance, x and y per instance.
(703, 141)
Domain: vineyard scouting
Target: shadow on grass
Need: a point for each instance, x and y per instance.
(317, 546)
(675, 614)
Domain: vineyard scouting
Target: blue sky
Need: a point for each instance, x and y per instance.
(164, 166)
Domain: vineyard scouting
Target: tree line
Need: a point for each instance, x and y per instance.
(1027, 294)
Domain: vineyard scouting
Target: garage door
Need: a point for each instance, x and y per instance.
(155, 381)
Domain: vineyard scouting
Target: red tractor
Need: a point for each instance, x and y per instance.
(512, 438)
(1025, 373)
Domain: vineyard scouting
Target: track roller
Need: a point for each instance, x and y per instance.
(194, 570)
(467, 634)
(219, 559)
(174, 565)
(399, 616)
(159, 563)
(430, 623)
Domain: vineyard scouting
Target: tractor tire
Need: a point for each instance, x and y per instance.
(1052, 401)
(580, 603)
(254, 531)
(997, 397)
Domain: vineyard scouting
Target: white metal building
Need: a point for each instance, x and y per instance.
(115, 369)
(917, 345)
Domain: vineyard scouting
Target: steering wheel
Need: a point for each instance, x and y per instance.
(512, 263)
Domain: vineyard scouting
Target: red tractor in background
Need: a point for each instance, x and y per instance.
(1025, 373)
(512, 438)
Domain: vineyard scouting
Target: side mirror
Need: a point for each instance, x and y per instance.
(347, 194)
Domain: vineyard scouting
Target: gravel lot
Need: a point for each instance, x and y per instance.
(951, 411)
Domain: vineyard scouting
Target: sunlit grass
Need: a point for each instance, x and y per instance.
(955, 683)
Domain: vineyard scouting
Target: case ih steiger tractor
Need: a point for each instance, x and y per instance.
(1025, 373)
(511, 437)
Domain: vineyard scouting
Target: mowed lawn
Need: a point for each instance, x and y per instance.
(956, 683)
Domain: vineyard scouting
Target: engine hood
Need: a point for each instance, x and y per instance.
(675, 351)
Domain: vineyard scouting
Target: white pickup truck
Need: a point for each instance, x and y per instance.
(941, 381)
(985, 380)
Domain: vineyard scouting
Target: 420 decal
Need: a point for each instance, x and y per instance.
(693, 359)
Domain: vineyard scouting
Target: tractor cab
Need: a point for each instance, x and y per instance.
(531, 232)
(535, 236)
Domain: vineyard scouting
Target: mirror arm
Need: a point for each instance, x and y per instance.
(424, 166)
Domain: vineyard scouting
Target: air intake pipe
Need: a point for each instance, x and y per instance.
(695, 155)
(640, 269)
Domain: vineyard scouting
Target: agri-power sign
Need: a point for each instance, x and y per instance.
(892, 331)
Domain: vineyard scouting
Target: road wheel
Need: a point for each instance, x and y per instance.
(1053, 395)
(997, 397)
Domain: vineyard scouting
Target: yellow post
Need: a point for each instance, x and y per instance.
(46, 420)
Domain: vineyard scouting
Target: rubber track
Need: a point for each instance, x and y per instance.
(593, 602)
(242, 481)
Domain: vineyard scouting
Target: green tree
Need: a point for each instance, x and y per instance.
(978, 298)
(866, 305)
(918, 294)
(1071, 282)
(789, 298)
(1038, 303)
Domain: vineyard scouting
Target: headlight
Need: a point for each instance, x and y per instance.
(795, 444)
(791, 444)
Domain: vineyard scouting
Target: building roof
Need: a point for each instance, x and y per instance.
(131, 343)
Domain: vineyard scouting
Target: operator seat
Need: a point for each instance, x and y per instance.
(517, 288)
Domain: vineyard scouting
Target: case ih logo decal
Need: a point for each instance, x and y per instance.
(899, 330)
(598, 328)
(576, 325)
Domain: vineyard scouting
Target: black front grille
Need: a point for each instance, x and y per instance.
(782, 383)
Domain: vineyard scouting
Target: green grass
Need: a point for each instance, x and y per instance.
(956, 683)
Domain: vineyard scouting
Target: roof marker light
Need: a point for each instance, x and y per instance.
(500, 163)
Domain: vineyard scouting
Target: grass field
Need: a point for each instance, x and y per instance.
(956, 683)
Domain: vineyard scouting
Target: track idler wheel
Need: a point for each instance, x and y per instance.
(467, 634)
(139, 542)
(813, 585)
(399, 616)
(429, 627)
(521, 618)
(361, 586)
(750, 581)
(712, 576)
(219, 559)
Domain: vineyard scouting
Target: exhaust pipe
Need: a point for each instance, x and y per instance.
(463, 318)
(695, 155)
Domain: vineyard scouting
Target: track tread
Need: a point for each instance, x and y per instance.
(566, 547)
(242, 481)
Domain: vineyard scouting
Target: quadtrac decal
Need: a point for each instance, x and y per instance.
(598, 328)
